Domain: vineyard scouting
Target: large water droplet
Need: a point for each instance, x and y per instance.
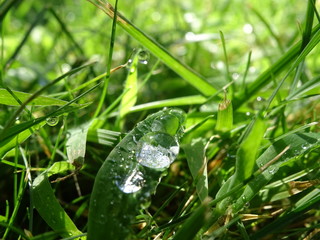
(157, 150)
(143, 56)
(52, 121)
(131, 183)
(167, 124)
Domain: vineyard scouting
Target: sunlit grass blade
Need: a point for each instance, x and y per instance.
(270, 161)
(311, 45)
(225, 116)
(76, 144)
(195, 152)
(103, 136)
(155, 48)
(131, 87)
(245, 159)
(174, 102)
(273, 70)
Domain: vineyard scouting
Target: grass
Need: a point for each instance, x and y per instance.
(72, 86)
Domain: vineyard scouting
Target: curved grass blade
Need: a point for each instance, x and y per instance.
(50, 210)
(195, 153)
(159, 51)
(245, 160)
(76, 144)
(10, 143)
(131, 173)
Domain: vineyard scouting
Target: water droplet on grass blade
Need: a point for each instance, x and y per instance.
(52, 121)
(143, 56)
(157, 150)
(132, 183)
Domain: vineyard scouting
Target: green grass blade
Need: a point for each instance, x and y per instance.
(76, 144)
(7, 99)
(308, 202)
(195, 153)
(155, 48)
(123, 183)
(109, 61)
(311, 45)
(245, 160)
(272, 71)
(37, 94)
(59, 168)
(225, 116)
(196, 221)
(49, 208)
(10, 143)
(174, 102)
(307, 86)
(269, 162)
(131, 88)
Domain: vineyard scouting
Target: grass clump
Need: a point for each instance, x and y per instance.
(78, 81)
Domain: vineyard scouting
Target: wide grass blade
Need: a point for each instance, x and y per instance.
(50, 210)
(245, 160)
(195, 153)
(225, 116)
(76, 144)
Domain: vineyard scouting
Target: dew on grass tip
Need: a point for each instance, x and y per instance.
(52, 121)
(143, 56)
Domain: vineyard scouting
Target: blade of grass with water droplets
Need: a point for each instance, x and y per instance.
(159, 51)
(131, 173)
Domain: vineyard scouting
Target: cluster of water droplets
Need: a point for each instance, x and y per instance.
(151, 149)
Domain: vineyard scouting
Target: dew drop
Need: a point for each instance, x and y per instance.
(131, 183)
(17, 120)
(143, 128)
(167, 123)
(272, 170)
(296, 152)
(143, 56)
(52, 121)
(305, 146)
(157, 150)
